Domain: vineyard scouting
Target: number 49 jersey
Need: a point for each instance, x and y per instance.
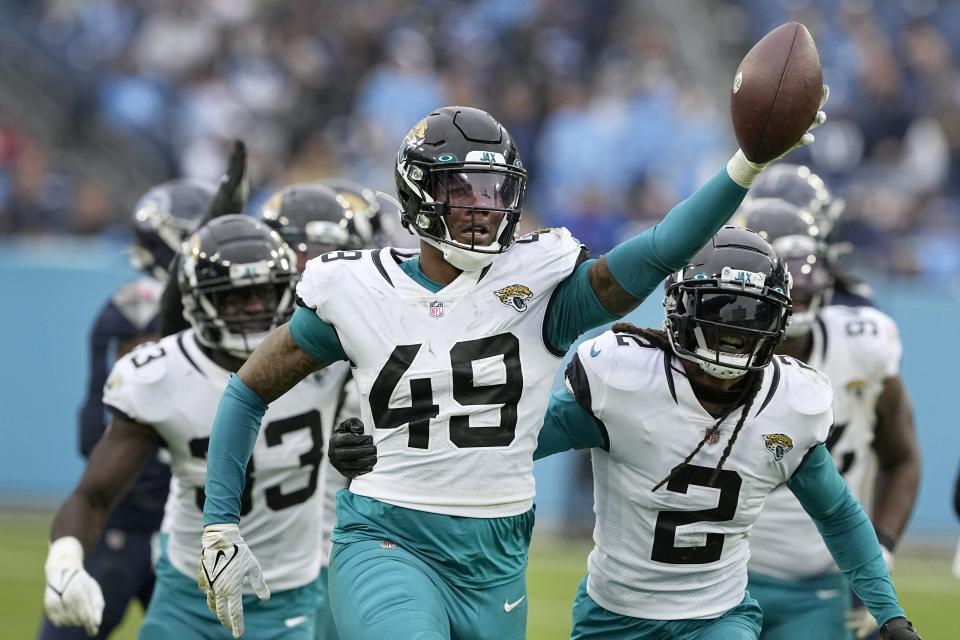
(681, 551)
(454, 384)
(174, 388)
(857, 348)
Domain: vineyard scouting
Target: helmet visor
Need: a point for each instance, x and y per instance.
(479, 189)
(732, 321)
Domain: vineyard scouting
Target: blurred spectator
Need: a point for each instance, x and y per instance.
(619, 108)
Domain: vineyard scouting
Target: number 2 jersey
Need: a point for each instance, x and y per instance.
(453, 384)
(174, 388)
(857, 348)
(681, 552)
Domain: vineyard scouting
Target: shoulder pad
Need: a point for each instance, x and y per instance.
(805, 389)
(138, 301)
(870, 334)
(135, 383)
(621, 360)
(319, 280)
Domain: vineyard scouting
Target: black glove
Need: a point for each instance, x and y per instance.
(231, 196)
(352, 453)
(898, 629)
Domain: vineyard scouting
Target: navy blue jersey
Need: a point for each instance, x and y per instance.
(130, 313)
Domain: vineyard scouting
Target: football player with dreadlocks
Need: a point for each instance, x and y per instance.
(872, 441)
(121, 561)
(454, 350)
(691, 429)
(798, 185)
(315, 219)
(237, 277)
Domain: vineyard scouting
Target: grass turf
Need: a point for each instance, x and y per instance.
(926, 587)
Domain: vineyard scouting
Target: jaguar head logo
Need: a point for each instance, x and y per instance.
(516, 296)
(779, 444)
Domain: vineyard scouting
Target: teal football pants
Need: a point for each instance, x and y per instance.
(593, 622)
(379, 590)
(326, 629)
(178, 610)
(812, 608)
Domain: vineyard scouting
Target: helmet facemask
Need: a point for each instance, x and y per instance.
(812, 283)
(728, 326)
(220, 308)
(456, 205)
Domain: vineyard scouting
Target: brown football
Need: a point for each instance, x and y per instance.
(776, 92)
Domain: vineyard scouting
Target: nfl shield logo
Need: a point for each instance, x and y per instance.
(713, 435)
(436, 308)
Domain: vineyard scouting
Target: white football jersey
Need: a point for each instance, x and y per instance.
(454, 384)
(173, 387)
(681, 552)
(857, 348)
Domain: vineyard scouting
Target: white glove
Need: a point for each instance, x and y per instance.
(859, 619)
(744, 172)
(225, 563)
(71, 598)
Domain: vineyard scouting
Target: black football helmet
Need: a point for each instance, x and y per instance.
(162, 218)
(362, 200)
(797, 239)
(728, 308)
(314, 220)
(237, 279)
(801, 187)
(465, 153)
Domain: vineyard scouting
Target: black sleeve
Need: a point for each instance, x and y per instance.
(956, 496)
(171, 318)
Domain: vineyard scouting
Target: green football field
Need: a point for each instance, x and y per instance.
(926, 586)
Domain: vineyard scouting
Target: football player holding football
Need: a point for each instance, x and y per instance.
(454, 349)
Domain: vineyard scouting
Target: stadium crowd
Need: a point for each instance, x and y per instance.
(616, 120)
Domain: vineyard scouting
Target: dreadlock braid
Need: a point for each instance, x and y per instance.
(654, 337)
(751, 394)
(659, 340)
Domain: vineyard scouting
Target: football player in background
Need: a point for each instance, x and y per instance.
(799, 186)
(315, 219)
(872, 441)
(691, 429)
(237, 278)
(231, 197)
(121, 561)
(454, 350)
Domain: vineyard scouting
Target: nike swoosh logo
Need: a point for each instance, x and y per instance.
(594, 352)
(510, 606)
(64, 582)
(213, 574)
(826, 594)
(293, 622)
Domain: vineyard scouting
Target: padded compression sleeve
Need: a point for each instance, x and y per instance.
(567, 425)
(232, 438)
(642, 262)
(317, 338)
(847, 532)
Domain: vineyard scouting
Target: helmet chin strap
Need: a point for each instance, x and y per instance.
(719, 371)
(463, 259)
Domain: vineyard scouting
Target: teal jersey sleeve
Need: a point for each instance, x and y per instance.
(232, 437)
(317, 338)
(641, 263)
(567, 425)
(847, 532)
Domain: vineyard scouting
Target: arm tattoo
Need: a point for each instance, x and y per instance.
(612, 296)
(277, 365)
